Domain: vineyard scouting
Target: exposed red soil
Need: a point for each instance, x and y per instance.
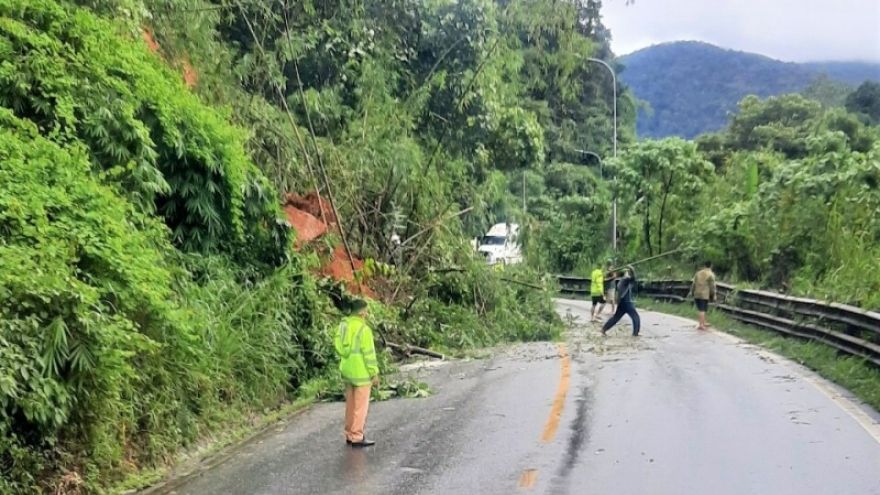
(338, 267)
(307, 227)
(189, 74)
(311, 204)
(303, 214)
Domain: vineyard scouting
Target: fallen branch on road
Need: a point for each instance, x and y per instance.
(412, 349)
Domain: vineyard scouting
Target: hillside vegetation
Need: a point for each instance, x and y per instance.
(691, 86)
(784, 198)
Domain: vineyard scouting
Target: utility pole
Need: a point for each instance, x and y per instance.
(614, 206)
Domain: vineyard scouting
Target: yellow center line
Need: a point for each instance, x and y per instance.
(559, 401)
(527, 480)
(530, 476)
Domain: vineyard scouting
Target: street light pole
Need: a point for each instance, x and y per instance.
(614, 207)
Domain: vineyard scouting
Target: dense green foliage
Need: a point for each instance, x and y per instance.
(789, 204)
(107, 344)
(691, 86)
(436, 107)
(865, 101)
(656, 190)
(828, 92)
(72, 75)
(117, 349)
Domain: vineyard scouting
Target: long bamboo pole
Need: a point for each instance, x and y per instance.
(643, 260)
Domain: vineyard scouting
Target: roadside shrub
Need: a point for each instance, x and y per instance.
(86, 294)
(115, 351)
(79, 77)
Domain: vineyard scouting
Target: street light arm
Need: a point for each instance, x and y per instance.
(606, 64)
(591, 154)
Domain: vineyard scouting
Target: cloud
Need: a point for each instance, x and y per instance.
(790, 30)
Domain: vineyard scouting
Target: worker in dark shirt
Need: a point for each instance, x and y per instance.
(610, 282)
(625, 304)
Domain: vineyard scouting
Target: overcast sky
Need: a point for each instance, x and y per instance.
(790, 30)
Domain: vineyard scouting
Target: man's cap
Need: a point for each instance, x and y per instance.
(356, 306)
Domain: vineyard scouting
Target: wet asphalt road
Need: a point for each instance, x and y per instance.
(676, 412)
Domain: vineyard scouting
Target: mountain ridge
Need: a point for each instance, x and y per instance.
(692, 85)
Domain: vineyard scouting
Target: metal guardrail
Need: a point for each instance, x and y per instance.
(849, 329)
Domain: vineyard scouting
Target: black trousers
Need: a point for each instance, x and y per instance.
(624, 308)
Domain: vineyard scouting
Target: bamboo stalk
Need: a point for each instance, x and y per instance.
(281, 97)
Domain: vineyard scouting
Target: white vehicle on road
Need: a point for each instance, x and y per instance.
(501, 244)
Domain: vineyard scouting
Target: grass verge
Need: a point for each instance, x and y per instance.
(851, 373)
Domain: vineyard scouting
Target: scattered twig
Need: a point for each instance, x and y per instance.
(446, 270)
(644, 260)
(424, 245)
(434, 224)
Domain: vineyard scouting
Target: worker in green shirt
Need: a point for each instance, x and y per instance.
(360, 371)
(597, 292)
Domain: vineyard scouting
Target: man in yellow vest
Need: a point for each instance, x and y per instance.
(360, 371)
(597, 292)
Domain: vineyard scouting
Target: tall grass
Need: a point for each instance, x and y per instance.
(855, 278)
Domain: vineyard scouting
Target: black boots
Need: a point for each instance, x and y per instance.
(363, 443)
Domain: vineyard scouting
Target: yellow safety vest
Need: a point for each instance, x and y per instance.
(357, 353)
(597, 282)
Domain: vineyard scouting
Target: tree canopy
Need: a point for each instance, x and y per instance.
(865, 101)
